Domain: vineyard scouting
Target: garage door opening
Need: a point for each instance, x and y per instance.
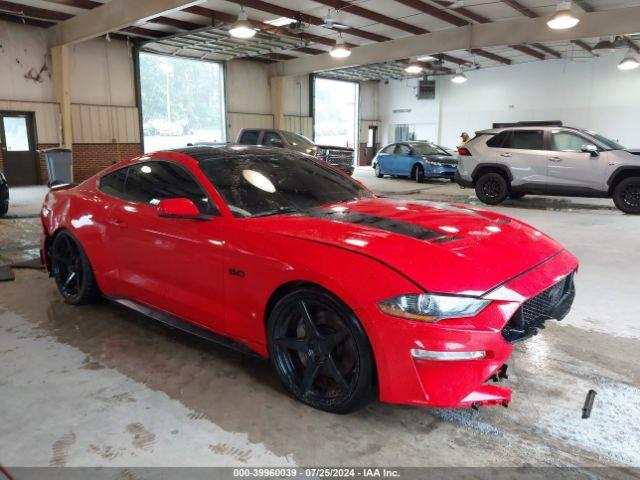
(182, 101)
(335, 113)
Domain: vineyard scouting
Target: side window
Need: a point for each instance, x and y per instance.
(525, 140)
(566, 142)
(272, 139)
(151, 182)
(498, 140)
(249, 137)
(389, 149)
(402, 150)
(113, 183)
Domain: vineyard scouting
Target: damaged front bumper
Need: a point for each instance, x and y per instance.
(455, 363)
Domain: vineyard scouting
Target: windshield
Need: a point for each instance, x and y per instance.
(268, 184)
(610, 144)
(428, 149)
(298, 140)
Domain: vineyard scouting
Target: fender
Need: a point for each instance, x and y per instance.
(620, 171)
(498, 166)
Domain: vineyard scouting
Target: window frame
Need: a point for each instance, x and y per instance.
(214, 213)
(588, 141)
(544, 144)
(250, 130)
(273, 132)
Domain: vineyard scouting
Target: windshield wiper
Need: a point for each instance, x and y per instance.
(277, 211)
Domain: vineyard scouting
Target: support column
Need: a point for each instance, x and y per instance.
(277, 102)
(62, 90)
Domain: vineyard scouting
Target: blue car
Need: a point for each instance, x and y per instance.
(417, 160)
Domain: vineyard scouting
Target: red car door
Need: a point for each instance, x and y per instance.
(172, 264)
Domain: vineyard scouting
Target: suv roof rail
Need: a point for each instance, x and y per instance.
(534, 123)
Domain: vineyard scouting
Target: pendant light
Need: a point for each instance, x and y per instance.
(563, 18)
(242, 27)
(340, 50)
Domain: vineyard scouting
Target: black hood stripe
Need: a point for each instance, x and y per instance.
(381, 223)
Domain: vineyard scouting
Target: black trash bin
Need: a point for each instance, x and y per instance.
(58, 161)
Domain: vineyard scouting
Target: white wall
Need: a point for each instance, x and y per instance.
(248, 89)
(369, 100)
(398, 105)
(296, 100)
(590, 93)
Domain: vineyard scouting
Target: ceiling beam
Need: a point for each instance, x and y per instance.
(33, 12)
(434, 12)
(546, 49)
(632, 45)
(371, 15)
(109, 17)
(470, 14)
(619, 21)
(585, 5)
(527, 12)
(15, 18)
(303, 17)
(528, 51)
(451, 59)
(490, 56)
(584, 46)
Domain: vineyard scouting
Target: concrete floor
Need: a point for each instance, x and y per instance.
(104, 386)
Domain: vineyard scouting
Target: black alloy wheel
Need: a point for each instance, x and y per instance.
(72, 271)
(626, 195)
(320, 351)
(418, 173)
(492, 188)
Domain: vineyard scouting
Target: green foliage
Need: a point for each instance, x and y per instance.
(195, 91)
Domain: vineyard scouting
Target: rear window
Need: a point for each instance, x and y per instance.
(113, 183)
(498, 140)
(525, 140)
(250, 137)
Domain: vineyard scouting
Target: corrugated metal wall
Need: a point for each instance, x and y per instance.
(301, 125)
(91, 123)
(104, 124)
(47, 117)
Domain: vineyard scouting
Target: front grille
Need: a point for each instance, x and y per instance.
(553, 303)
(339, 157)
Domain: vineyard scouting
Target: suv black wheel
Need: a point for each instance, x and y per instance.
(377, 170)
(72, 271)
(492, 188)
(418, 173)
(320, 351)
(626, 195)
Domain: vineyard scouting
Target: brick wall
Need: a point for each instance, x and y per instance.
(89, 158)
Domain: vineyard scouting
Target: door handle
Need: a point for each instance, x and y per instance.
(505, 154)
(555, 159)
(116, 222)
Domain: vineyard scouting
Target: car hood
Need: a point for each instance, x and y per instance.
(441, 248)
(333, 147)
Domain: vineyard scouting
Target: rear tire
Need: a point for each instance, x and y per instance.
(626, 195)
(320, 351)
(492, 188)
(72, 271)
(418, 174)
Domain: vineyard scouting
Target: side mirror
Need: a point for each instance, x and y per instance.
(590, 149)
(178, 208)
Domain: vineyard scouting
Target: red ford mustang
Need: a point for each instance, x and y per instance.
(279, 254)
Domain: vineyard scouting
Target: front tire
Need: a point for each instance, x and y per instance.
(492, 188)
(378, 171)
(418, 174)
(626, 195)
(320, 351)
(72, 271)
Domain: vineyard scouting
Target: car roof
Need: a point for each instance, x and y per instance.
(202, 153)
(494, 131)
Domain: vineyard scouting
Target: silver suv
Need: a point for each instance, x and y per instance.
(546, 158)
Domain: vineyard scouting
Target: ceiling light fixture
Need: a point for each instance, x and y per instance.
(242, 28)
(340, 50)
(413, 68)
(629, 62)
(563, 18)
(426, 58)
(604, 46)
(459, 77)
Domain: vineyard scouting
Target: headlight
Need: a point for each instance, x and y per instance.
(431, 308)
